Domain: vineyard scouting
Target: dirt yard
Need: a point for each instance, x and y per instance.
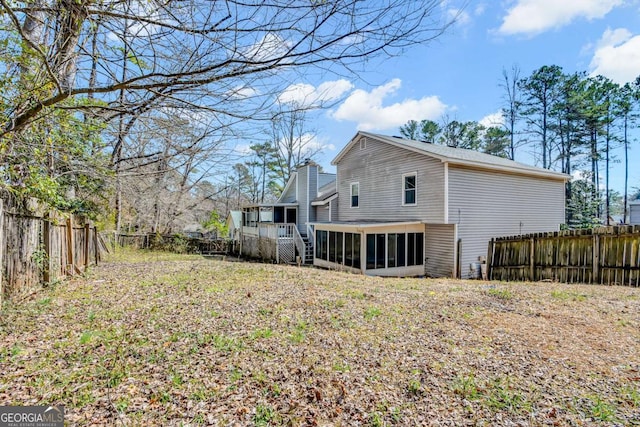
(180, 340)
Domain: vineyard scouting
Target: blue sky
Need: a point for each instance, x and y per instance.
(459, 73)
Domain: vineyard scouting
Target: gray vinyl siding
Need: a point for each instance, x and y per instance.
(379, 168)
(322, 213)
(303, 199)
(333, 207)
(487, 204)
(312, 193)
(634, 213)
(439, 250)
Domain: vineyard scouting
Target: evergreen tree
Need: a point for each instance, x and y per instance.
(540, 93)
(496, 141)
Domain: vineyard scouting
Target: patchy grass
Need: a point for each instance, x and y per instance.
(568, 295)
(162, 339)
(500, 293)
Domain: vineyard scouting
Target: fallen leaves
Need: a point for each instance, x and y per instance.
(161, 340)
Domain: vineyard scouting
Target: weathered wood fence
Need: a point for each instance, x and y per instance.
(172, 242)
(604, 255)
(42, 249)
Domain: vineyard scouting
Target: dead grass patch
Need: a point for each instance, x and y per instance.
(155, 339)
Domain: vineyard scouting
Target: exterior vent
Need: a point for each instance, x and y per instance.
(363, 143)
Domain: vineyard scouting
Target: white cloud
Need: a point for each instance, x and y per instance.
(460, 15)
(577, 175)
(308, 95)
(366, 108)
(492, 120)
(480, 9)
(243, 92)
(315, 144)
(309, 144)
(535, 16)
(243, 149)
(272, 46)
(617, 56)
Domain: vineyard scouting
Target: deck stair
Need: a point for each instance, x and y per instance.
(308, 250)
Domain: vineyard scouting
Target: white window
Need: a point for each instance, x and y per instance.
(409, 182)
(355, 192)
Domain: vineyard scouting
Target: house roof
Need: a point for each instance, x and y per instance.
(235, 217)
(456, 156)
(324, 199)
(368, 223)
(326, 178)
(326, 190)
(292, 179)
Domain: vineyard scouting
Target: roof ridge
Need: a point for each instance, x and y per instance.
(464, 155)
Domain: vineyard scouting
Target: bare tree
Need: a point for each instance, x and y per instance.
(293, 140)
(240, 52)
(512, 102)
(172, 157)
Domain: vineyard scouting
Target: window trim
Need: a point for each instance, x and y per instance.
(351, 205)
(415, 189)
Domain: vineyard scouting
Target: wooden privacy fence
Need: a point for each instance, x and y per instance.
(41, 249)
(604, 255)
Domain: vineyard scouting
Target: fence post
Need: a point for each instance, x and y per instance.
(46, 242)
(492, 242)
(1, 251)
(70, 246)
(459, 259)
(596, 259)
(95, 244)
(532, 259)
(86, 246)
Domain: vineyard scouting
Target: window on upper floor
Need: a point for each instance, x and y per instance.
(409, 196)
(355, 192)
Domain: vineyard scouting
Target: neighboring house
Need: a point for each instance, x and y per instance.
(634, 212)
(405, 208)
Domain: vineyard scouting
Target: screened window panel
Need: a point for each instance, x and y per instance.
(380, 250)
(371, 251)
(356, 251)
(392, 239)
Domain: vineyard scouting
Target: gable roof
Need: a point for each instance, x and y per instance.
(325, 178)
(235, 218)
(456, 156)
(285, 191)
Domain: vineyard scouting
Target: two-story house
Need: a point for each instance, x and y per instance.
(408, 208)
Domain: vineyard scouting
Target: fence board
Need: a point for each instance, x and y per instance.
(40, 249)
(605, 255)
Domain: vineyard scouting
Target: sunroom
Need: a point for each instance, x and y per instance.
(376, 249)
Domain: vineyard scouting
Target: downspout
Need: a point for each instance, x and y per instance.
(446, 193)
(308, 202)
(363, 250)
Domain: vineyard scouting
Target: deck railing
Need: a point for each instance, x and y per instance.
(286, 237)
(300, 245)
